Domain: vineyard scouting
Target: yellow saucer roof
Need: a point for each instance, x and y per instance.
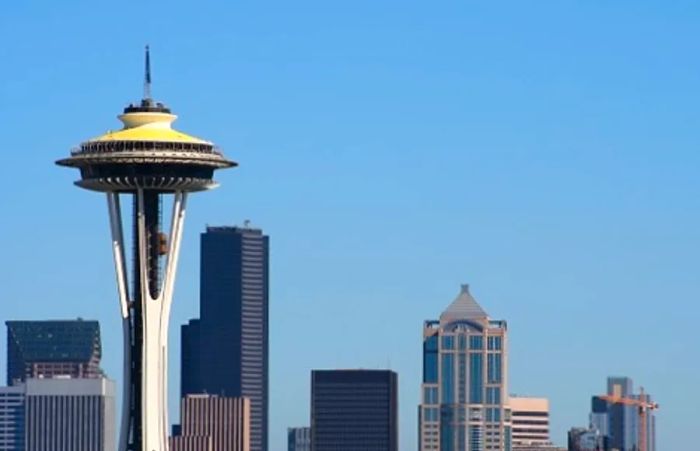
(149, 134)
(148, 126)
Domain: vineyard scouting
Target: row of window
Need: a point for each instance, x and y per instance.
(451, 415)
(494, 375)
(475, 342)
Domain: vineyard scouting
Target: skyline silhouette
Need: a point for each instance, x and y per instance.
(546, 154)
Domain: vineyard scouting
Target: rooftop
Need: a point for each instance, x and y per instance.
(56, 341)
(464, 307)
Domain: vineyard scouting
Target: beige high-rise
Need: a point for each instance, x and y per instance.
(213, 423)
(464, 404)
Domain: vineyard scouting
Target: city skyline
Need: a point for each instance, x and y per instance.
(559, 175)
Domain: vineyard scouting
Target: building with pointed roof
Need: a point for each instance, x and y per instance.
(464, 401)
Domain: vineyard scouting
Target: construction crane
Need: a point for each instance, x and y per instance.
(644, 405)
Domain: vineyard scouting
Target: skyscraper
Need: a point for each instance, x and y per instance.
(12, 418)
(299, 439)
(53, 348)
(464, 392)
(354, 410)
(213, 423)
(225, 352)
(64, 414)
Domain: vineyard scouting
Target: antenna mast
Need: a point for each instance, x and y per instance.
(147, 79)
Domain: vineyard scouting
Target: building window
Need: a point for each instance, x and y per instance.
(494, 368)
(495, 343)
(475, 438)
(447, 382)
(448, 342)
(476, 342)
(447, 432)
(430, 395)
(431, 414)
(493, 395)
(430, 360)
(493, 415)
(476, 378)
(462, 344)
(462, 385)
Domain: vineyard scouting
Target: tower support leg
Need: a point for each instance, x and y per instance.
(145, 318)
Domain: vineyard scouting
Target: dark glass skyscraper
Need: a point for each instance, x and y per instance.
(53, 348)
(225, 352)
(354, 410)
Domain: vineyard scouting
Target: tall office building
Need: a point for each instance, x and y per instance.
(618, 422)
(354, 410)
(225, 352)
(64, 414)
(299, 439)
(53, 348)
(213, 423)
(464, 391)
(530, 422)
(12, 418)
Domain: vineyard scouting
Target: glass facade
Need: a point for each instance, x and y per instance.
(464, 381)
(476, 382)
(430, 360)
(495, 374)
(44, 349)
(447, 385)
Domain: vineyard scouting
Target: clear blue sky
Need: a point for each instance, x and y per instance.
(545, 152)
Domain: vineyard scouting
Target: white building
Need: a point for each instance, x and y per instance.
(530, 417)
(64, 414)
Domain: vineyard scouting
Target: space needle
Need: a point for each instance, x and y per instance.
(146, 162)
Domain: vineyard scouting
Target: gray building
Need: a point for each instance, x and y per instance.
(354, 410)
(464, 403)
(213, 423)
(64, 414)
(53, 348)
(12, 418)
(299, 439)
(620, 423)
(225, 351)
(586, 439)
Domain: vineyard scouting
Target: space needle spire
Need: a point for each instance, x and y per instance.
(147, 76)
(145, 163)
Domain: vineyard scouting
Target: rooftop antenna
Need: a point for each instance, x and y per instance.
(147, 80)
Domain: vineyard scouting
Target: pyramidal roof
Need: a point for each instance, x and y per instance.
(464, 307)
